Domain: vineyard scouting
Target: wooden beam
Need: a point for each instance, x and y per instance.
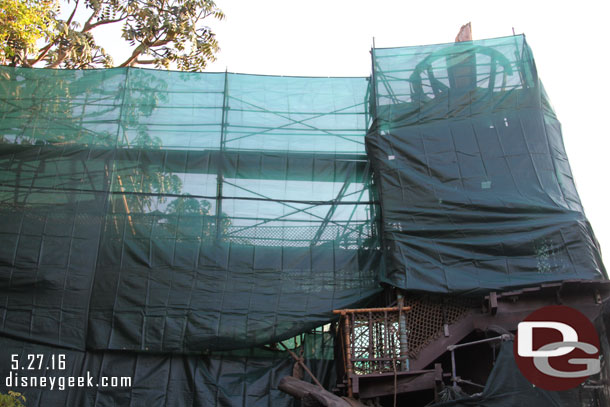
(310, 392)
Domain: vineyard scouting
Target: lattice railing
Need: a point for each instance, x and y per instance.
(370, 340)
(379, 340)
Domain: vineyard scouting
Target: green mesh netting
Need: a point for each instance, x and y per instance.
(166, 211)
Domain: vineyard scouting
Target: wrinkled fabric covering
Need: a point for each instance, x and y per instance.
(180, 212)
(474, 182)
(236, 378)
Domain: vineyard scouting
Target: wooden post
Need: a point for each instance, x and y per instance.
(348, 357)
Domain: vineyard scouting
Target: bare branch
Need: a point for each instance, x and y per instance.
(73, 13)
(89, 27)
(91, 17)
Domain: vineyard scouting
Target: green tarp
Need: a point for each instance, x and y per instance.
(234, 378)
(475, 186)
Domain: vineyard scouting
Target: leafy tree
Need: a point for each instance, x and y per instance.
(197, 219)
(160, 32)
(22, 24)
(189, 206)
(12, 399)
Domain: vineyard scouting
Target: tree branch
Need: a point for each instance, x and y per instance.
(45, 50)
(145, 45)
(88, 26)
(91, 17)
(134, 55)
(73, 13)
(61, 56)
(43, 53)
(160, 43)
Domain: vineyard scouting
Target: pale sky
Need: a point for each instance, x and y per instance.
(334, 37)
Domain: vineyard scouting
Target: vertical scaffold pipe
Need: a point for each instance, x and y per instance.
(402, 332)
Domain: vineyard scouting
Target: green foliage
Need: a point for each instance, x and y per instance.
(163, 33)
(12, 399)
(22, 24)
